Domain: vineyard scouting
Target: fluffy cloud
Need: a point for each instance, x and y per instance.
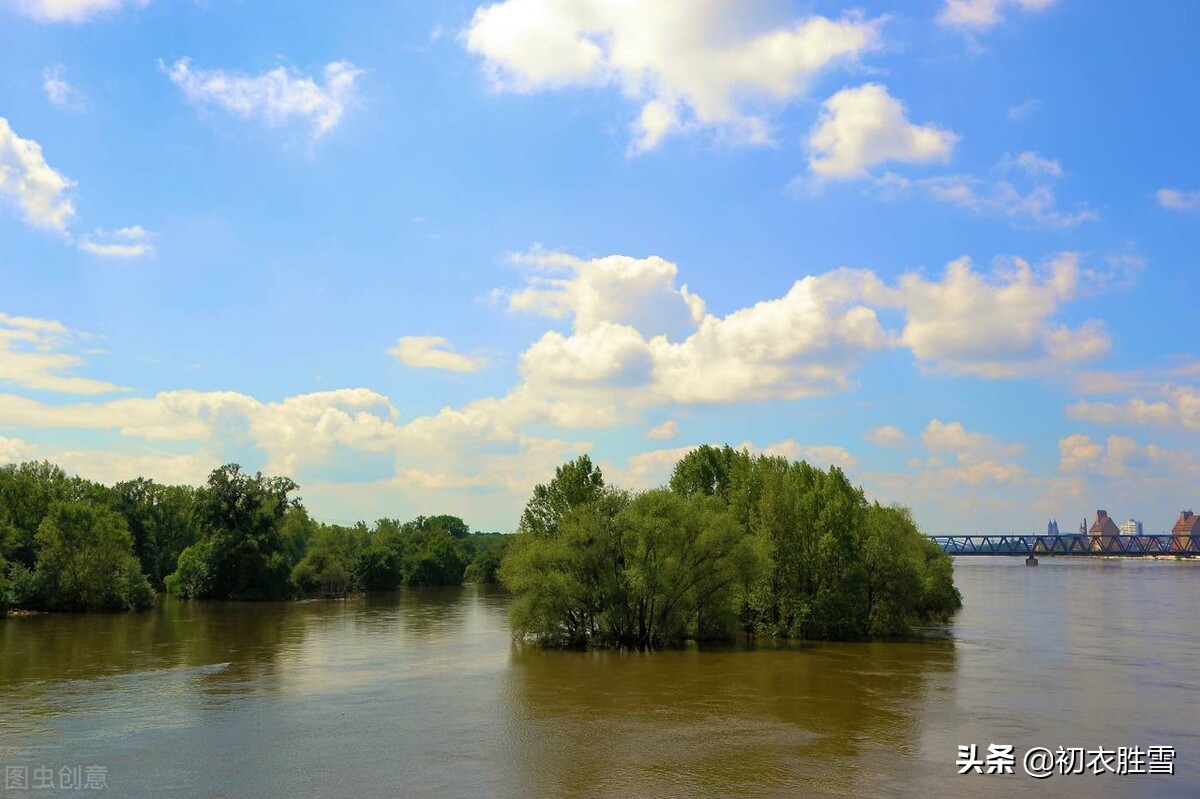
(997, 326)
(27, 180)
(1179, 407)
(983, 14)
(802, 344)
(1025, 193)
(433, 352)
(1177, 200)
(274, 96)
(13, 450)
(617, 289)
(126, 242)
(886, 436)
(70, 10)
(707, 64)
(865, 126)
(34, 353)
(976, 457)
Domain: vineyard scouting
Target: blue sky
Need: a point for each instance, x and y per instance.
(416, 256)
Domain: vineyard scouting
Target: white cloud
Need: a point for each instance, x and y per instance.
(433, 352)
(34, 354)
(864, 126)
(999, 325)
(711, 64)
(983, 14)
(668, 429)
(275, 96)
(978, 458)
(616, 289)
(802, 344)
(13, 450)
(36, 188)
(60, 93)
(1028, 197)
(886, 436)
(1177, 200)
(126, 242)
(822, 455)
(1179, 407)
(70, 10)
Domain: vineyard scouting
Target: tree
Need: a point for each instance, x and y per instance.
(85, 560)
(242, 553)
(575, 483)
(739, 543)
(162, 520)
(438, 561)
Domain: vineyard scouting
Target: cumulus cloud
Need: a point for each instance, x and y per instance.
(802, 344)
(1178, 200)
(886, 436)
(714, 64)
(433, 352)
(275, 96)
(35, 354)
(998, 325)
(33, 185)
(977, 15)
(74, 11)
(864, 126)
(1026, 192)
(976, 457)
(126, 242)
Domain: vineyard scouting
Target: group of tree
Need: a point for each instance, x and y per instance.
(69, 544)
(735, 544)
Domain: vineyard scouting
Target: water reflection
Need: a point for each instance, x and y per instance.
(422, 693)
(742, 722)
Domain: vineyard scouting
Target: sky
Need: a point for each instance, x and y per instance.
(417, 255)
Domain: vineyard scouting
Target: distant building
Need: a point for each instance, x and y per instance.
(1131, 527)
(1104, 530)
(1187, 526)
(1052, 527)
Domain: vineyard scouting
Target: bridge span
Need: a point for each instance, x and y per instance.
(1076, 545)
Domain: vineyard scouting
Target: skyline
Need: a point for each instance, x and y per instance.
(416, 260)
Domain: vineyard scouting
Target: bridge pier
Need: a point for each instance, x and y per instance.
(1031, 561)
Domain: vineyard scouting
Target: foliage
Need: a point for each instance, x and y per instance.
(85, 561)
(161, 519)
(242, 554)
(575, 483)
(485, 565)
(739, 543)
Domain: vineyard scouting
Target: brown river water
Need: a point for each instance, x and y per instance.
(423, 694)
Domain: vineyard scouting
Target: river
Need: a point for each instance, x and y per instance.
(423, 694)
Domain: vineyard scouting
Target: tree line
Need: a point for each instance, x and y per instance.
(69, 544)
(734, 544)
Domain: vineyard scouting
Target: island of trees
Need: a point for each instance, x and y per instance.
(735, 545)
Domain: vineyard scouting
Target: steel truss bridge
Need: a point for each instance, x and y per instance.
(1074, 545)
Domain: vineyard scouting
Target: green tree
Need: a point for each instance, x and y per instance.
(85, 560)
(163, 523)
(575, 483)
(439, 560)
(242, 553)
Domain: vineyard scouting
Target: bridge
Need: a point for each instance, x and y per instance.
(1076, 545)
